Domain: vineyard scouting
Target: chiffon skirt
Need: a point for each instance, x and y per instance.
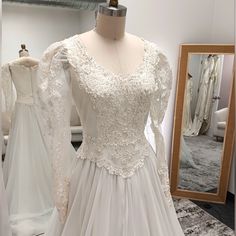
(4, 217)
(102, 204)
(27, 174)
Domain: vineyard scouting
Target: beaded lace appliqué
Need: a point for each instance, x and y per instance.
(121, 104)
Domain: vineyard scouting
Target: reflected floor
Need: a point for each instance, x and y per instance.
(206, 153)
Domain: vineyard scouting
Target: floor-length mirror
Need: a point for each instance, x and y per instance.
(205, 128)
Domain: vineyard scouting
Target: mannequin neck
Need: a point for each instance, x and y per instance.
(111, 27)
(24, 53)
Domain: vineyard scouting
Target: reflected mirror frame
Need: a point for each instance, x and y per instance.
(185, 51)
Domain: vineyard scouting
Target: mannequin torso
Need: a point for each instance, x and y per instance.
(111, 47)
(25, 61)
(22, 72)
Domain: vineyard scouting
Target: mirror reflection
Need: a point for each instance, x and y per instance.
(205, 112)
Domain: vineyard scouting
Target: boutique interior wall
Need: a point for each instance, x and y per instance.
(167, 23)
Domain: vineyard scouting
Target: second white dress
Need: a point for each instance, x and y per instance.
(27, 168)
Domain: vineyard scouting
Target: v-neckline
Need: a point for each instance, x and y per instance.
(108, 71)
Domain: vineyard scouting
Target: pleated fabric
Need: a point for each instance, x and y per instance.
(4, 216)
(27, 174)
(102, 204)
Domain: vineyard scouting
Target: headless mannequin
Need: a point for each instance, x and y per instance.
(25, 58)
(111, 47)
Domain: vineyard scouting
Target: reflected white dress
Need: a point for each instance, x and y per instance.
(204, 96)
(26, 169)
(116, 185)
(213, 84)
(187, 116)
(186, 156)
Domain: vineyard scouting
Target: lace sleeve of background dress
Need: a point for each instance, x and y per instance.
(54, 106)
(7, 89)
(159, 104)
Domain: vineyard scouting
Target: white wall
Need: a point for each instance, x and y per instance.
(223, 32)
(227, 76)
(37, 27)
(222, 28)
(168, 23)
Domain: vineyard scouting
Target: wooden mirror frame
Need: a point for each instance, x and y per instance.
(185, 51)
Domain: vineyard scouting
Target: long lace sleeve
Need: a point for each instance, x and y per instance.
(54, 103)
(7, 89)
(159, 103)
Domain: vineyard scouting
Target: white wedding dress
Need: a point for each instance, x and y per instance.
(116, 185)
(212, 87)
(4, 217)
(26, 169)
(187, 116)
(205, 94)
(186, 156)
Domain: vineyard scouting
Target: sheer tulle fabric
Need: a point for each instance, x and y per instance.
(4, 216)
(27, 174)
(7, 89)
(27, 168)
(101, 204)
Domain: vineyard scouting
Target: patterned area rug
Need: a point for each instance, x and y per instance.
(206, 153)
(197, 222)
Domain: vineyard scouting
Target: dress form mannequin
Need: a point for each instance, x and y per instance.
(25, 58)
(23, 52)
(110, 45)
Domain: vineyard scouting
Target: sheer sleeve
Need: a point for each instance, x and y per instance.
(7, 89)
(163, 77)
(54, 103)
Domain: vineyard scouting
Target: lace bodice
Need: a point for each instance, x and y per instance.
(118, 106)
(23, 79)
(113, 109)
